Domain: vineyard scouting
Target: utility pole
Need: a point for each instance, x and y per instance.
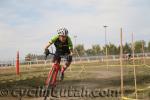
(106, 52)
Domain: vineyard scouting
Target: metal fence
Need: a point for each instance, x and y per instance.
(75, 59)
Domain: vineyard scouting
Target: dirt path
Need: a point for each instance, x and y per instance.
(89, 80)
(94, 78)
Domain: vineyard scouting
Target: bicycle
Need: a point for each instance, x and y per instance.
(52, 75)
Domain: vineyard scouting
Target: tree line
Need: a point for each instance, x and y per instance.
(112, 49)
(96, 49)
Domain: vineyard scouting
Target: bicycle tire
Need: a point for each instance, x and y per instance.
(52, 79)
(49, 81)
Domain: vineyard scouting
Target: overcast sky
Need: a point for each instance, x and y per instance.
(27, 25)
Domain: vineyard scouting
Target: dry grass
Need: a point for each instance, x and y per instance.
(95, 75)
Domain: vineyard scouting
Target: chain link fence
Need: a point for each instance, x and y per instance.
(100, 58)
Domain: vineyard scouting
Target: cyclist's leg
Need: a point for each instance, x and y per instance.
(56, 63)
(66, 65)
(56, 60)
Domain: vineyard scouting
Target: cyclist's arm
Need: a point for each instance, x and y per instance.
(70, 45)
(53, 39)
(48, 45)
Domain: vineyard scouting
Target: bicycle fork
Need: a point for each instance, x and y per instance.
(51, 79)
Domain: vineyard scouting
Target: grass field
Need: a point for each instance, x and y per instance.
(92, 75)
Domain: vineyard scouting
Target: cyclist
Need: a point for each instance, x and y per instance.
(129, 56)
(64, 47)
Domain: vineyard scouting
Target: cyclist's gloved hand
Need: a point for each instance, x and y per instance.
(46, 52)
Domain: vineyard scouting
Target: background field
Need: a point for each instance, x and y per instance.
(86, 74)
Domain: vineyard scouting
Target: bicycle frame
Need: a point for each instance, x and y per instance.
(51, 79)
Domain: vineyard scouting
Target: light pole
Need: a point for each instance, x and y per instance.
(75, 37)
(105, 27)
(105, 34)
(143, 51)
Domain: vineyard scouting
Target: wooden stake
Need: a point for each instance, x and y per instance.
(135, 85)
(143, 53)
(121, 67)
(17, 64)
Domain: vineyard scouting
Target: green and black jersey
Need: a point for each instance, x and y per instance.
(62, 48)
